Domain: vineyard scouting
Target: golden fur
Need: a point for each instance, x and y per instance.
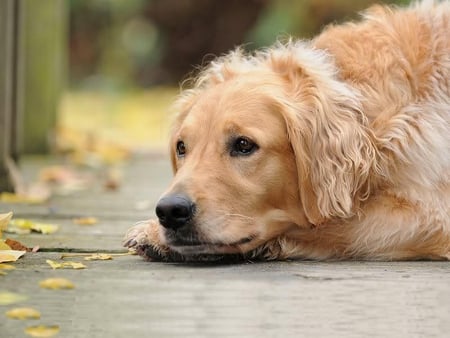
(353, 130)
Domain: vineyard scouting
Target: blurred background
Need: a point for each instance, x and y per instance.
(126, 58)
(102, 73)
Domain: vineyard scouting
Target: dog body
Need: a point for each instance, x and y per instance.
(335, 148)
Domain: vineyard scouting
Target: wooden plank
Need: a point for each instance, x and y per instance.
(128, 297)
(144, 180)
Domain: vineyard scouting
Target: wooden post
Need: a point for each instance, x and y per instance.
(32, 77)
(8, 18)
(41, 70)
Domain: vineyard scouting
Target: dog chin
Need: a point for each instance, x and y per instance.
(205, 249)
(193, 248)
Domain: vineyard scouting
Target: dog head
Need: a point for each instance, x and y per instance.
(262, 145)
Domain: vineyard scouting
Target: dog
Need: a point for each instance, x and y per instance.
(333, 148)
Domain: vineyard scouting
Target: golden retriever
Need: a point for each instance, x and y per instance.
(334, 148)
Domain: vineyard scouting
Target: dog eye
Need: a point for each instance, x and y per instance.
(181, 149)
(242, 146)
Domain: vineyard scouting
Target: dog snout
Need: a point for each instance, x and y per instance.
(175, 211)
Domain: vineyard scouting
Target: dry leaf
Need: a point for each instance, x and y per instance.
(6, 266)
(21, 226)
(113, 179)
(56, 284)
(65, 179)
(63, 265)
(85, 220)
(23, 313)
(56, 174)
(45, 228)
(8, 298)
(4, 246)
(53, 264)
(39, 191)
(8, 197)
(95, 256)
(98, 257)
(42, 331)
(16, 245)
(4, 220)
(10, 255)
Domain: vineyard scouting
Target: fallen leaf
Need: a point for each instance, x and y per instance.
(113, 179)
(10, 255)
(56, 284)
(85, 220)
(42, 331)
(56, 174)
(6, 266)
(17, 231)
(65, 179)
(4, 220)
(95, 256)
(23, 313)
(16, 245)
(4, 246)
(24, 226)
(8, 298)
(98, 257)
(9, 197)
(53, 264)
(63, 265)
(39, 191)
(45, 228)
(20, 226)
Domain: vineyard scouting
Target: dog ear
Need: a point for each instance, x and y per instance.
(335, 156)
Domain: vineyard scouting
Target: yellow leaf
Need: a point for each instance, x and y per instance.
(98, 257)
(6, 266)
(56, 284)
(4, 220)
(7, 298)
(10, 255)
(22, 226)
(21, 223)
(94, 256)
(54, 264)
(19, 226)
(45, 228)
(75, 265)
(62, 265)
(9, 197)
(23, 313)
(4, 246)
(42, 331)
(18, 231)
(85, 220)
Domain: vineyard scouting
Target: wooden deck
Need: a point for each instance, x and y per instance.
(127, 297)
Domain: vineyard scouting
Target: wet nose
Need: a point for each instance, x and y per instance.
(175, 211)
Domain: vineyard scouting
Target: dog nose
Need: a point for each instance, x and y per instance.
(174, 211)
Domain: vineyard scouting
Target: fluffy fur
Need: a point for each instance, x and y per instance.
(353, 135)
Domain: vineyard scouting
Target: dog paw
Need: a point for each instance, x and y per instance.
(144, 239)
